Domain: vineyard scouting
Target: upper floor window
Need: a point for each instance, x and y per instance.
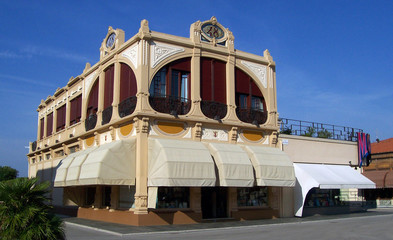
(76, 110)
(108, 94)
(49, 124)
(61, 118)
(128, 89)
(92, 107)
(170, 88)
(251, 106)
(42, 125)
(213, 88)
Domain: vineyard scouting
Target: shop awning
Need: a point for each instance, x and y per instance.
(179, 163)
(272, 166)
(233, 164)
(310, 176)
(109, 164)
(377, 176)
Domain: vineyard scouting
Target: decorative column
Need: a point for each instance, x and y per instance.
(196, 81)
(116, 93)
(68, 111)
(142, 131)
(230, 73)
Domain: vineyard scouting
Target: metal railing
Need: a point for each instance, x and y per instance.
(320, 130)
(106, 115)
(250, 115)
(170, 104)
(127, 106)
(214, 110)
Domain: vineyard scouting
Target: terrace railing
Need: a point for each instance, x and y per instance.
(321, 130)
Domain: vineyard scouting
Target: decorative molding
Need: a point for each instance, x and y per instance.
(198, 130)
(188, 134)
(234, 134)
(132, 54)
(239, 139)
(259, 70)
(88, 81)
(160, 51)
(112, 132)
(214, 134)
(266, 142)
(141, 201)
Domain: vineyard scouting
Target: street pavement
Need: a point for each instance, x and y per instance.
(373, 224)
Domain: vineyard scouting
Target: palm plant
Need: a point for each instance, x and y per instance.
(24, 213)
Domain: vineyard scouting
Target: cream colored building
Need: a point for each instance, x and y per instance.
(167, 130)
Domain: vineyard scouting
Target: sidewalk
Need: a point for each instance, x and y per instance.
(119, 229)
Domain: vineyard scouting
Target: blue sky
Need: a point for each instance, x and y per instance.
(334, 58)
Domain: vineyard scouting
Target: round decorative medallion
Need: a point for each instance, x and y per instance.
(110, 42)
(212, 31)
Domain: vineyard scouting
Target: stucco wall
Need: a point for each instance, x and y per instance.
(319, 150)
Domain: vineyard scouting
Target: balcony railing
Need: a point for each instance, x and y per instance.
(106, 115)
(127, 106)
(214, 110)
(169, 104)
(250, 115)
(320, 130)
(91, 122)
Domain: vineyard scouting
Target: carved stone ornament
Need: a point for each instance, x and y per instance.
(198, 130)
(214, 134)
(88, 81)
(234, 133)
(131, 54)
(160, 51)
(259, 71)
(141, 201)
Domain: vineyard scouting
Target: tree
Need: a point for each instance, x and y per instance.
(24, 213)
(7, 173)
(324, 133)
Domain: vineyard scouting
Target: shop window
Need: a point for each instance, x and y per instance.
(90, 196)
(106, 196)
(42, 125)
(49, 124)
(128, 91)
(252, 197)
(126, 197)
(324, 198)
(173, 197)
(76, 110)
(170, 88)
(61, 118)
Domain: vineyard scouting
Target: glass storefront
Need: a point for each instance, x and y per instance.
(324, 198)
(173, 197)
(255, 196)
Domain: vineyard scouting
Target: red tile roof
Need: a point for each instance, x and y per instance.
(382, 146)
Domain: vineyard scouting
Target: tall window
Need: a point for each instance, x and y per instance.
(109, 80)
(172, 80)
(76, 110)
(213, 80)
(49, 124)
(128, 86)
(42, 125)
(248, 95)
(92, 106)
(61, 118)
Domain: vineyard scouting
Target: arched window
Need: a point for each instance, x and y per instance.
(170, 88)
(213, 88)
(108, 94)
(92, 107)
(251, 106)
(128, 90)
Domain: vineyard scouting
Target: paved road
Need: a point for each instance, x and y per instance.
(363, 226)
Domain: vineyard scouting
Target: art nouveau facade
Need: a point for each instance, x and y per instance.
(166, 129)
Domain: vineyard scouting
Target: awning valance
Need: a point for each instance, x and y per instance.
(233, 164)
(109, 164)
(179, 163)
(325, 177)
(272, 166)
(377, 176)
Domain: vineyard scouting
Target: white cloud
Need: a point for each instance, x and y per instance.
(8, 78)
(54, 53)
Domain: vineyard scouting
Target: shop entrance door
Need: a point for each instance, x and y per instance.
(214, 202)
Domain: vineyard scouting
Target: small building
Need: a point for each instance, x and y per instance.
(380, 172)
(167, 130)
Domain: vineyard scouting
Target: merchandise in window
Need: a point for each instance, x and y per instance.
(173, 197)
(252, 197)
(324, 198)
